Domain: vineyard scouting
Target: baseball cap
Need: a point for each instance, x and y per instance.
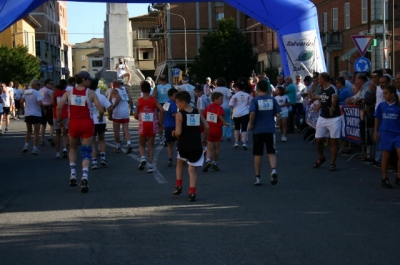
(84, 74)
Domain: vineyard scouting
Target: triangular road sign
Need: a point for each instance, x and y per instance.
(362, 42)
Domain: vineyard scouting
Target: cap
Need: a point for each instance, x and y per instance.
(84, 74)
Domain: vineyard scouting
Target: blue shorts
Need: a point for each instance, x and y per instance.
(389, 141)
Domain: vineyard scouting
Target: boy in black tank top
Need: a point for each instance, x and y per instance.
(190, 145)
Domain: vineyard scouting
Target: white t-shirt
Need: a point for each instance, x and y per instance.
(121, 111)
(46, 95)
(103, 102)
(282, 100)
(240, 103)
(32, 98)
(5, 96)
(300, 88)
(227, 95)
(379, 96)
(190, 89)
(69, 88)
(121, 69)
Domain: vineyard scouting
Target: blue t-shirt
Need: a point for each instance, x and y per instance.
(169, 119)
(265, 108)
(389, 116)
(344, 94)
(162, 93)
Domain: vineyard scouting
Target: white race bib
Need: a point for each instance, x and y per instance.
(78, 100)
(124, 96)
(147, 117)
(265, 104)
(166, 106)
(193, 119)
(212, 117)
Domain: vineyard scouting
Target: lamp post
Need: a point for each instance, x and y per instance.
(385, 48)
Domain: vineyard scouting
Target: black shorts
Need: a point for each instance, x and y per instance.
(33, 119)
(99, 129)
(192, 155)
(263, 139)
(241, 123)
(17, 104)
(48, 116)
(6, 110)
(168, 135)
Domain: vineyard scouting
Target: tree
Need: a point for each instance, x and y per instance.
(18, 65)
(224, 53)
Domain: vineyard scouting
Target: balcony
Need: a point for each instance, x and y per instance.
(332, 41)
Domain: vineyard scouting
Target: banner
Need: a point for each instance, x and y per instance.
(351, 127)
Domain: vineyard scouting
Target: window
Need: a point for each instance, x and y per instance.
(143, 33)
(219, 16)
(347, 15)
(324, 22)
(334, 19)
(97, 63)
(146, 54)
(83, 57)
(364, 11)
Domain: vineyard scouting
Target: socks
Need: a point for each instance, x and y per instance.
(85, 172)
(192, 190)
(72, 166)
(178, 182)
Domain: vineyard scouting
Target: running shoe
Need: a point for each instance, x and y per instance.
(228, 139)
(117, 150)
(65, 153)
(35, 152)
(25, 150)
(143, 162)
(58, 156)
(215, 167)
(274, 177)
(84, 185)
(94, 165)
(72, 181)
(103, 162)
(236, 145)
(51, 141)
(129, 149)
(6, 130)
(207, 166)
(257, 182)
(177, 190)
(244, 146)
(170, 162)
(284, 139)
(386, 184)
(42, 143)
(191, 197)
(150, 169)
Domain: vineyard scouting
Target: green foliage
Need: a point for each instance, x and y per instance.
(102, 85)
(224, 53)
(18, 65)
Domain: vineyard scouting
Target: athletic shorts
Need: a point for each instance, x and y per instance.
(121, 121)
(6, 110)
(33, 119)
(48, 116)
(81, 128)
(64, 122)
(99, 129)
(241, 123)
(215, 134)
(263, 139)
(328, 127)
(388, 141)
(194, 158)
(148, 129)
(168, 135)
(284, 114)
(17, 104)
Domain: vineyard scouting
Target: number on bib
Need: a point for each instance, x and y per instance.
(166, 106)
(78, 100)
(212, 117)
(265, 104)
(193, 119)
(147, 117)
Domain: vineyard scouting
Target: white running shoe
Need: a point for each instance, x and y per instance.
(257, 182)
(284, 139)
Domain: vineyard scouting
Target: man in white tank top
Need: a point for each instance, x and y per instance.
(123, 70)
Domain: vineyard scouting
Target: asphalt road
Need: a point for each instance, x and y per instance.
(312, 216)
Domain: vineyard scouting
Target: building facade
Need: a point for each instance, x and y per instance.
(80, 52)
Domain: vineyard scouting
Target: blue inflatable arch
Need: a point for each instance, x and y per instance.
(295, 21)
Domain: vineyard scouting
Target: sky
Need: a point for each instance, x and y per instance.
(86, 20)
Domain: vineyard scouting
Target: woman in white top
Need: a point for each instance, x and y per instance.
(284, 102)
(240, 102)
(221, 88)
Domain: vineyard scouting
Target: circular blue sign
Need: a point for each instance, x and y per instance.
(362, 64)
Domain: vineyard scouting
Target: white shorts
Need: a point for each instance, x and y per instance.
(64, 122)
(198, 163)
(328, 127)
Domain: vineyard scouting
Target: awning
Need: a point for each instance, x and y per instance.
(159, 70)
(347, 55)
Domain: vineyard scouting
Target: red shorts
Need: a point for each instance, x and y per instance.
(148, 129)
(81, 128)
(121, 121)
(215, 134)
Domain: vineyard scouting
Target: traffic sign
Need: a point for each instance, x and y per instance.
(177, 72)
(362, 42)
(362, 64)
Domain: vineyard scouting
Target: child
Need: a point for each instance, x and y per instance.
(283, 102)
(149, 122)
(387, 116)
(214, 115)
(170, 109)
(202, 100)
(190, 149)
(263, 108)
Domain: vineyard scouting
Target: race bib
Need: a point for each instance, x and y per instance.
(193, 119)
(124, 96)
(147, 117)
(265, 104)
(78, 100)
(212, 117)
(166, 106)
(28, 92)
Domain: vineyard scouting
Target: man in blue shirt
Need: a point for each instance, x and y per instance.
(263, 109)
